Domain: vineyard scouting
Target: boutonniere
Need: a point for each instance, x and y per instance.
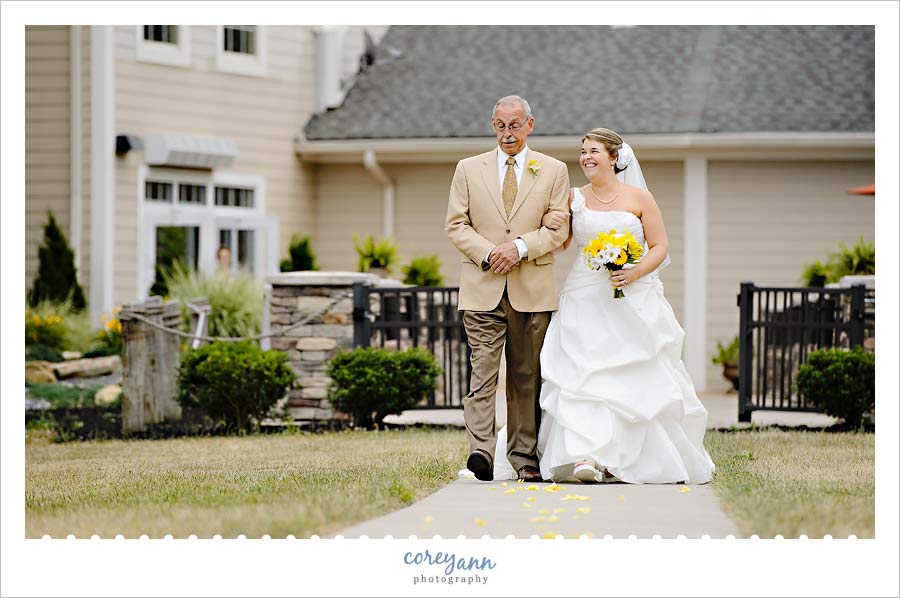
(534, 166)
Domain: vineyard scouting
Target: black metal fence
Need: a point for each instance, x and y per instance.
(427, 317)
(780, 326)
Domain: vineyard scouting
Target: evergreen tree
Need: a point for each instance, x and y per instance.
(56, 279)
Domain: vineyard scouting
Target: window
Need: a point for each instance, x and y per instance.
(240, 39)
(192, 194)
(187, 215)
(234, 197)
(163, 44)
(158, 191)
(166, 34)
(241, 49)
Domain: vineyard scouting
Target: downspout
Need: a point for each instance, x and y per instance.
(103, 152)
(371, 164)
(75, 144)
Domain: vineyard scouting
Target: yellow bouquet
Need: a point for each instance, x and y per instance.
(612, 250)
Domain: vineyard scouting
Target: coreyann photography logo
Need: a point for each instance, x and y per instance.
(447, 568)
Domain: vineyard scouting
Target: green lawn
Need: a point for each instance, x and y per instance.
(300, 484)
(793, 483)
(770, 482)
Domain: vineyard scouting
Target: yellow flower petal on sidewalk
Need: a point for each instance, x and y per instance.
(583, 510)
(549, 536)
(521, 481)
(685, 489)
(559, 510)
(480, 522)
(532, 487)
(621, 498)
(543, 511)
(504, 484)
(552, 519)
(538, 519)
(492, 488)
(510, 491)
(526, 505)
(532, 498)
(429, 519)
(576, 497)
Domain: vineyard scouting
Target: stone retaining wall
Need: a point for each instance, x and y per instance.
(295, 295)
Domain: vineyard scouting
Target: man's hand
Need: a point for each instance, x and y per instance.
(504, 258)
(554, 219)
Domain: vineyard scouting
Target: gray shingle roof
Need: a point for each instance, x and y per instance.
(646, 79)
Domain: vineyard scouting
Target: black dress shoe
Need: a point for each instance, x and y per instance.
(530, 473)
(479, 465)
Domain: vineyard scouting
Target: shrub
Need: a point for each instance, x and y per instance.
(42, 353)
(424, 271)
(840, 383)
(235, 382)
(382, 254)
(110, 335)
(370, 384)
(45, 324)
(302, 256)
(858, 260)
(235, 299)
(56, 277)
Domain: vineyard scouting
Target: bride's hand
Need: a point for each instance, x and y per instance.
(554, 219)
(622, 278)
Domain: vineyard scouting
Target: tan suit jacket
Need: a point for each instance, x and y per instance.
(477, 222)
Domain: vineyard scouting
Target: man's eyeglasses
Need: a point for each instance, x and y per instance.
(512, 127)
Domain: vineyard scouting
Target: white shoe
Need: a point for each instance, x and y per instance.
(588, 474)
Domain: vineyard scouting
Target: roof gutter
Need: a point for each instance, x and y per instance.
(370, 161)
(724, 146)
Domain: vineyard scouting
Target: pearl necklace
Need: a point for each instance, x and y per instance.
(618, 189)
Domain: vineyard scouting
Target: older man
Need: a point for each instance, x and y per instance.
(507, 288)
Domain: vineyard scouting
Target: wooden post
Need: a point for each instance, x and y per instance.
(150, 359)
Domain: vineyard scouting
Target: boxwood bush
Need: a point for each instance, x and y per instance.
(370, 384)
(238, 383)
(840, 383)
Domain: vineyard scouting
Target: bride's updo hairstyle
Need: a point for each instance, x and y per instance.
(610, 140)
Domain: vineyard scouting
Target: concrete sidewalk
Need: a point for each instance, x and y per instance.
(498, 510)
(722, 408)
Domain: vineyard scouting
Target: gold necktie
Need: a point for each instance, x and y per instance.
(510, 188)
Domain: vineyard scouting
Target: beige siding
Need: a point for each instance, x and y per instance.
(767, 220)
(261, 114)
(47, 89)
(349, 201)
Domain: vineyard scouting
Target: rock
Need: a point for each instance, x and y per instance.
(335, 318)
(85, 368)
(40, 372)
(107, 395)
(67, 355)
(312, 343)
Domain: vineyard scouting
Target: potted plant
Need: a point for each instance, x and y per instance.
(727, 356)
(375, 257)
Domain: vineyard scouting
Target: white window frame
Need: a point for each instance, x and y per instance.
(163, 53)
(209, 218)
(254, 65)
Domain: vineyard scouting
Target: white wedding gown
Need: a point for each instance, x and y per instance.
(615, 389)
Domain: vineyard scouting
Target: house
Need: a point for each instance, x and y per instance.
(748, 137)
(151, 143)
(157, 142)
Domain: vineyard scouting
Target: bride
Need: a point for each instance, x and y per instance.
(617, 401)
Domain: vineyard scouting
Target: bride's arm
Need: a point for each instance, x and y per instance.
(654, 233)
(551, 220)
